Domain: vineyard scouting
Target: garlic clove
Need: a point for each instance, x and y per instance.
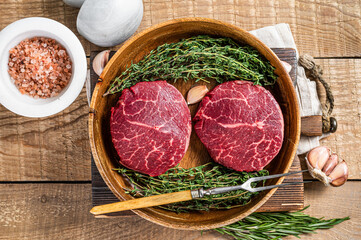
(339, 174)
(330, 164)
(318, 157)
(287, 66)
(196, 94)
(100, 60)
(326, 167)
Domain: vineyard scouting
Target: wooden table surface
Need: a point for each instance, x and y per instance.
(45, 179)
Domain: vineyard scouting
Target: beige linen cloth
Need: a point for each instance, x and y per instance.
(280, 36)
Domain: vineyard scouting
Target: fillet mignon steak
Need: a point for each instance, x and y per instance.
(150, 127)
(241, 125)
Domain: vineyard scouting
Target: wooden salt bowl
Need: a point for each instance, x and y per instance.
(134, 50)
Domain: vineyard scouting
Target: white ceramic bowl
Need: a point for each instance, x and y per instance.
(22, 104)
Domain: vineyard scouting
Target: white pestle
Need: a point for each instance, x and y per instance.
(109, 23)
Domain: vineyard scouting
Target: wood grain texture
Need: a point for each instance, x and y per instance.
(61, 211)
(344, 77)
(55, 148)
(311, 125)
(321, 28)
(330, 202)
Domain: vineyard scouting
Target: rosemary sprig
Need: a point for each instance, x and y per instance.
(266, 225)
(199, 58)
(179, 179)
(275, 225)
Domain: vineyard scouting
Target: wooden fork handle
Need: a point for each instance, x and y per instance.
(144, 202)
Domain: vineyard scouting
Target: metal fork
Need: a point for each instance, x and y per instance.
(187, 195)
(199, 193)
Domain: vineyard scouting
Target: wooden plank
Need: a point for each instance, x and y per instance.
(285, 199)
(61, 211)
(40, 149)
(320, 28)
(288, 198)
(344, 77)
(311, 126)
(331, 202)
(289, 56)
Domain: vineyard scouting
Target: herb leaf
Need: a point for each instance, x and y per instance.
(179, 179)
(275, 225)
(199, 58)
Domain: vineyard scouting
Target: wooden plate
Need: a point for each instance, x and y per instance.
(134, 50)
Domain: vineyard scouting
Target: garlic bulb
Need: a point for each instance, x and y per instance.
(100, 60)
(111, 22)
(196, 94)
(326, 166)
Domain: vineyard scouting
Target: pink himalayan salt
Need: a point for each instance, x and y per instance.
(40, 67)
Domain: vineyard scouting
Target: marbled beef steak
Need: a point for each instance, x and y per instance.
(151, 127)
(241, 125)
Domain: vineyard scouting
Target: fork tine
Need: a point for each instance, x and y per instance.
(256, 179)
(258, 189)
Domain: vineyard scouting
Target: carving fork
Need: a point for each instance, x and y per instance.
(187, 195)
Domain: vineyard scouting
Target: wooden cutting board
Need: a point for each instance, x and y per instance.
(288, 198)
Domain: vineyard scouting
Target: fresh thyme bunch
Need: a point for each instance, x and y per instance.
(275, 225)
(200, 58)
(179, 179)
(266, 225)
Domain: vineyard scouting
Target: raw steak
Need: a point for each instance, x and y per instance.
(241, 125)
(151, 127)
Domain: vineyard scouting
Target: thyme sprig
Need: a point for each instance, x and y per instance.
(179, 179)
(266, 225)
(275, 225)
(200, 58)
